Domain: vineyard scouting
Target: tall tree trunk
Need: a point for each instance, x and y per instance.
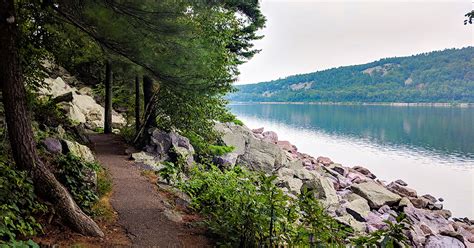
(108, 98)
(20, 131)
(147, 96)
(137, 104)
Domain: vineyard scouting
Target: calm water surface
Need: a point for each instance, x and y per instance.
(430, 148)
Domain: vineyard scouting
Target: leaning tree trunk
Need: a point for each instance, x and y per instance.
(137, 104)
(21, 134)
(108, 98)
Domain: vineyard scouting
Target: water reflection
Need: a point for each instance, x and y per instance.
(445, 131)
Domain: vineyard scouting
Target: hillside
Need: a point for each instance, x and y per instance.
(441, 76)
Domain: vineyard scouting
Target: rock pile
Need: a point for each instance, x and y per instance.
(352, 195)
(165, 146)
(78, 105)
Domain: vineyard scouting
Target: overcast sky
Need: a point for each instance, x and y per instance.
(306, 36)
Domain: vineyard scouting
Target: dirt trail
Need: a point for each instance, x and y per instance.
(138, 203)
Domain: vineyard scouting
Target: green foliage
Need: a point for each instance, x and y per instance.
(18, 204)
(19, 244)
(392, 236)
(169, 172)
(247, 209)
(217, 150)
(441, 76)
(319, 227)
(72, 173)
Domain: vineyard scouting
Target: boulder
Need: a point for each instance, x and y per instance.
(287, 146)
(52, 145)
(78, 150)
(419, 202)
(427, 220)
(436, 241)
(375, 194)
(430, 198)
(147, 161)
(322, 189)
(350, 221)
(270, 136)
(358, 208)
(401, 190)
(343, 171)
(170, 146)
(86, 91)
(401, 182)
(79, 108)
(364, 171)
(324, 160)
(258, 130)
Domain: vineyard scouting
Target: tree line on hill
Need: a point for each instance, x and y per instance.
(441, 76)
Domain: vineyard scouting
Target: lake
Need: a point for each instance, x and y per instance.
(430, 148)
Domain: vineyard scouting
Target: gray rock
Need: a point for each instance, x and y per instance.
(443, 241)
(147, 161)
(358, 208)
(78, 150)
(405, 202)
(167, 145)
(350, 221)
(322, 189)
(375, 194)
(52, 145)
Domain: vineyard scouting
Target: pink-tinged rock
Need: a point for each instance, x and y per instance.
(258, 130)
(384, 209)
(375, 222)
(356, 177)
(287, 146)
(401, 190)
(466, 231)
(436, 223)
(364, 171)
(401, 182)
(324, 160)
(435, 241)
(270, 136)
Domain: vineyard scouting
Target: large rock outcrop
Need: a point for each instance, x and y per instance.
(79, 108)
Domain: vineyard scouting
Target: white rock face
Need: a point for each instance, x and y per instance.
(82, 108)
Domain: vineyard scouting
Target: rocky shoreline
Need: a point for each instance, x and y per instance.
(352, 195)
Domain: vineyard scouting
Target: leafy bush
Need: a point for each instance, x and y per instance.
(217, 150)
(246, 209)
(18, 204)
(72, 174)
(169, 172)
(19, 244)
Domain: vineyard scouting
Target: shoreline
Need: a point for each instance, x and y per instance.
(392, 104)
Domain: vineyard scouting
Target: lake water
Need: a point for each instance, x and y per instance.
(430, 148)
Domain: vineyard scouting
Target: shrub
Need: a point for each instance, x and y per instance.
(246, 209)
(72, 174)
(18, 204)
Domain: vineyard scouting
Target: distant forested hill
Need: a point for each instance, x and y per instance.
(441, 76)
